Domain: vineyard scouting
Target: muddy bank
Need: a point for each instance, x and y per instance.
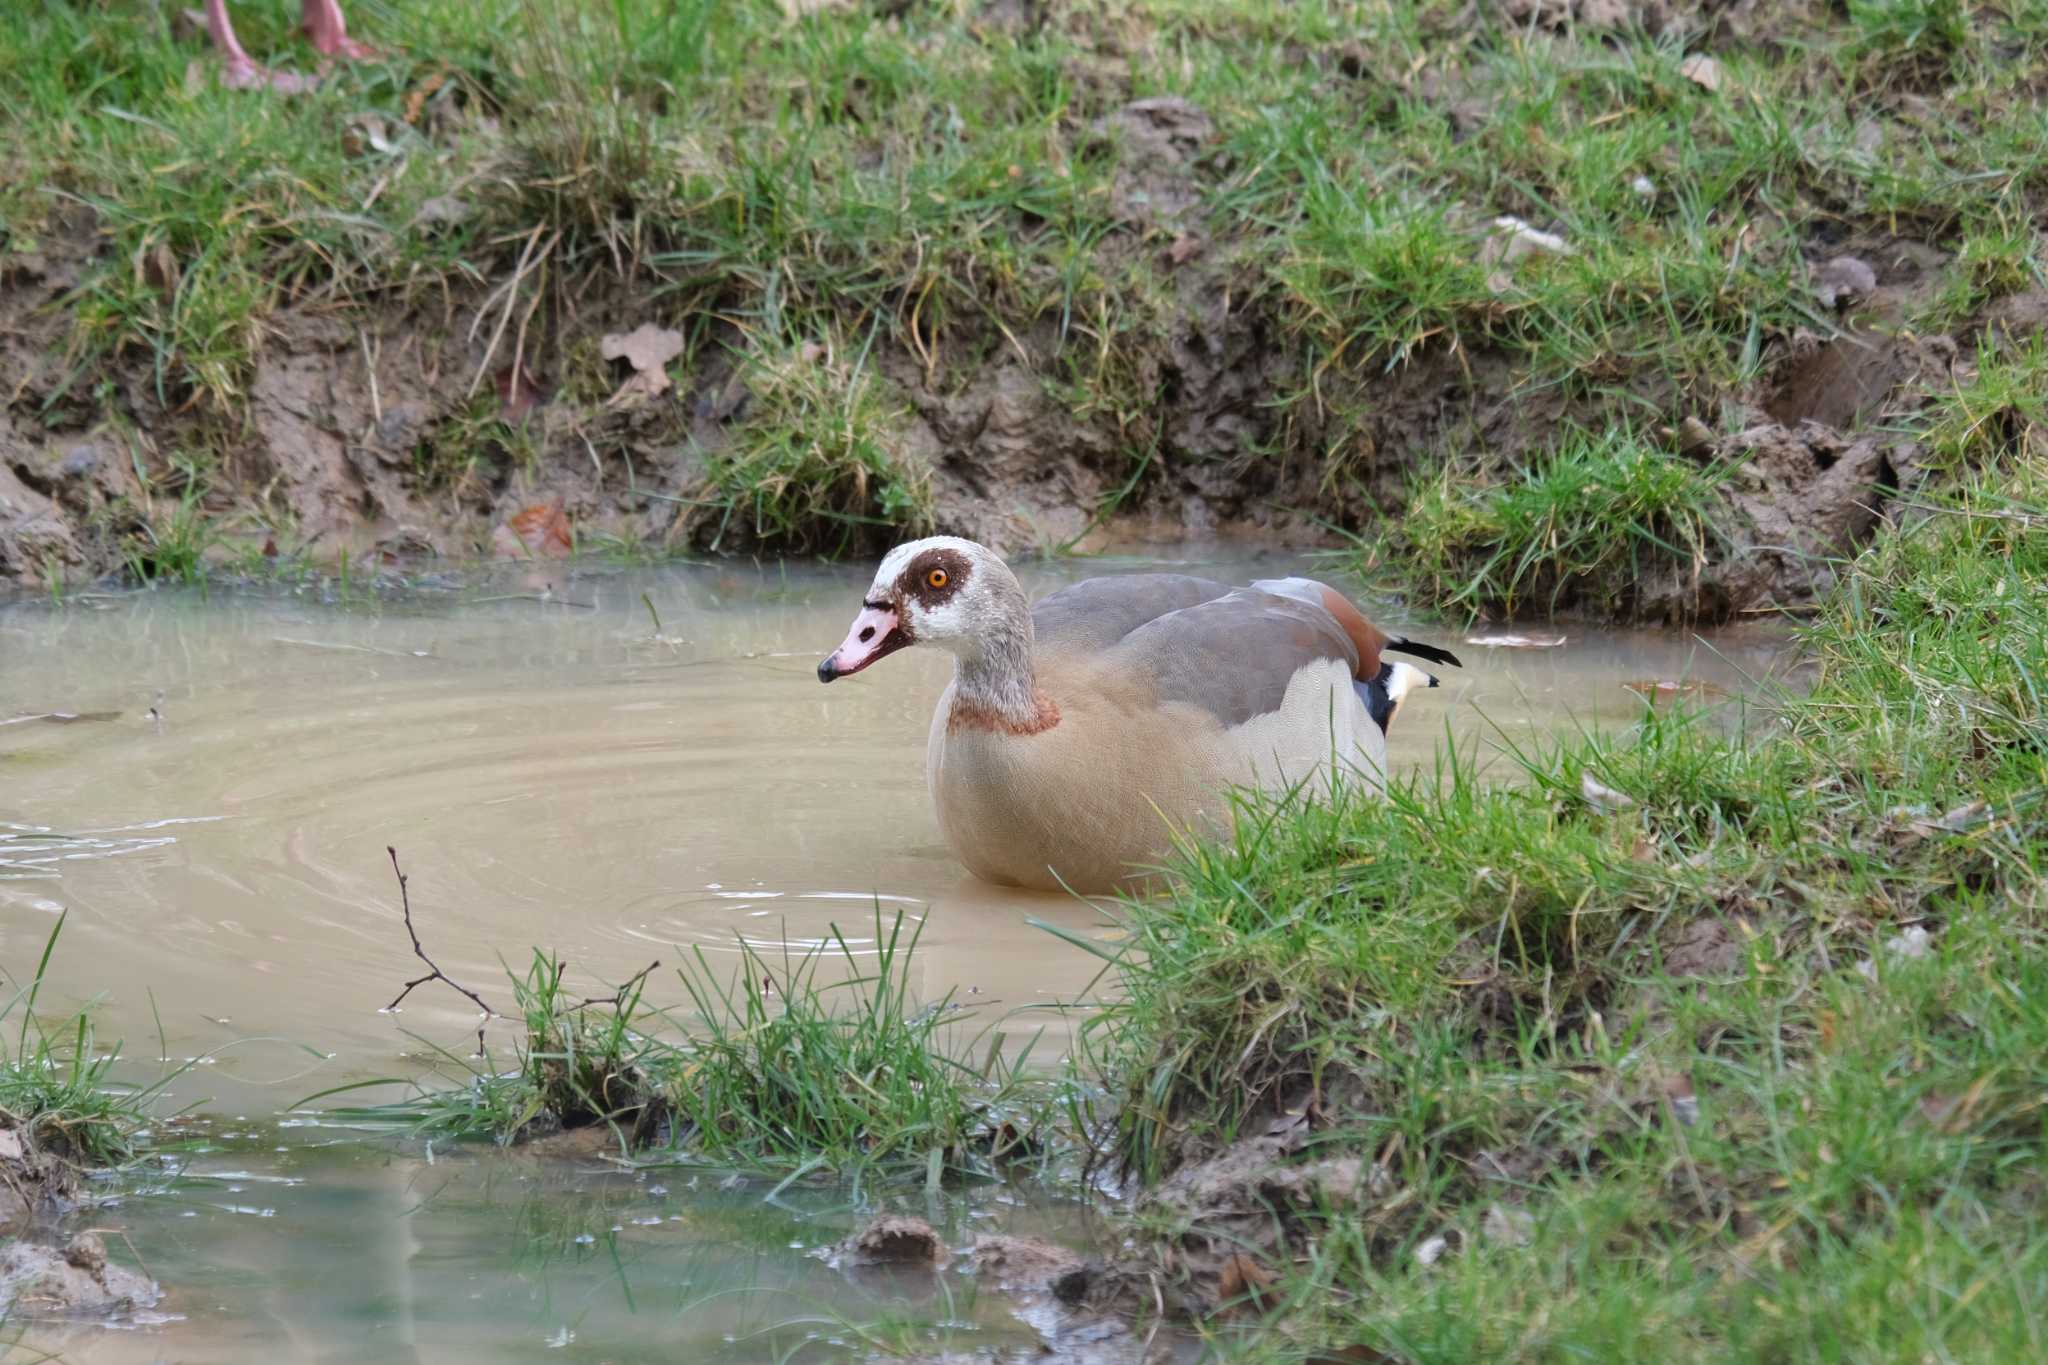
(43, 1275)
(362, 432)
(404, 425)
(34, 1181)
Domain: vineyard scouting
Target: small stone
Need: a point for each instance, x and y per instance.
(1695, 438)
(1843, 280)
(87, 1252)
(80, 462)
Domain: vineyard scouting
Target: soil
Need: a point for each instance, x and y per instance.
(39, 1279)
(34, 1182)
(360, 432)
(73, 1281)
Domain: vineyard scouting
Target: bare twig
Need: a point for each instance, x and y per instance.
(436, 974)
(617, 999)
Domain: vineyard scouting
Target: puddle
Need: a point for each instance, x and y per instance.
(551, 775)
(275, 1248)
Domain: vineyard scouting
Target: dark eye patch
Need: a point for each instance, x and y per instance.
(916, 579)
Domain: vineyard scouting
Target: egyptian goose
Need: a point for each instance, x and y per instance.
(323, 24)
(1079, 734)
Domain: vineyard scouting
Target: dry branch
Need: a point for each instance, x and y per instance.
(435, 974)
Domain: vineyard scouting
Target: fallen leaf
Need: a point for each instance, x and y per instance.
(1952, 1113)
(443, 211)
(1695, 437)
(1244, 1278)
(1954, 821)
(416, 98)
(1702, 71)
(1669, 689)
(1913, 944)
(1602, 797)
(1510, 641)
(1432, 1249)
(1685, 1104)
(648, 349)
(158, 268)
(1512, 239)
(537, 532)
(518, 393)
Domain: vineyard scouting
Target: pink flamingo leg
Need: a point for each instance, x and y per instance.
(238, 69)
(323, 23)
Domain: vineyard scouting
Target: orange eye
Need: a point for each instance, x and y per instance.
(935, 579)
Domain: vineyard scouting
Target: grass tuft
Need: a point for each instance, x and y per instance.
(58, 1084)
(1586, 527)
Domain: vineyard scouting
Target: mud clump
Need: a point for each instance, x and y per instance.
(895, 1240)
(74, 1281)
(34, 1182)
(1232, 1221)
(1800, 500)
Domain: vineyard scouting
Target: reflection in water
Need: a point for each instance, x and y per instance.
(553, 777)
(314, 1245)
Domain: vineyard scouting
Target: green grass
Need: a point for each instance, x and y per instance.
(785, 1072)
(1702, 1041)
(818, 466)
(930, 193)
(766, 1068)
(59, 1085)
(1584, 527)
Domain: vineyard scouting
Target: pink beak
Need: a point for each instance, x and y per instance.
(875, 632)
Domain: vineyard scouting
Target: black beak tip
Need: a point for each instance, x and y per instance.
(826, 673)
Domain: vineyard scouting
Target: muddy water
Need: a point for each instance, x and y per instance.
(554, 771)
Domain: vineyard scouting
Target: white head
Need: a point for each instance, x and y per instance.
(941, 591)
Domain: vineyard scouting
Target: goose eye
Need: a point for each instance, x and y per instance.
(935, 579)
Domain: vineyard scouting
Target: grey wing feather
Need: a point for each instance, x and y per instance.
(1235, 655)
(1097, 613)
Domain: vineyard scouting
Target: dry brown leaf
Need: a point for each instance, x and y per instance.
(1244, 1278)
(648, 349)
(540, 531)
(416, 98)
(1702, 71)
(519, 393)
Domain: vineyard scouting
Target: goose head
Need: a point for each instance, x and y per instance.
(941, 591)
